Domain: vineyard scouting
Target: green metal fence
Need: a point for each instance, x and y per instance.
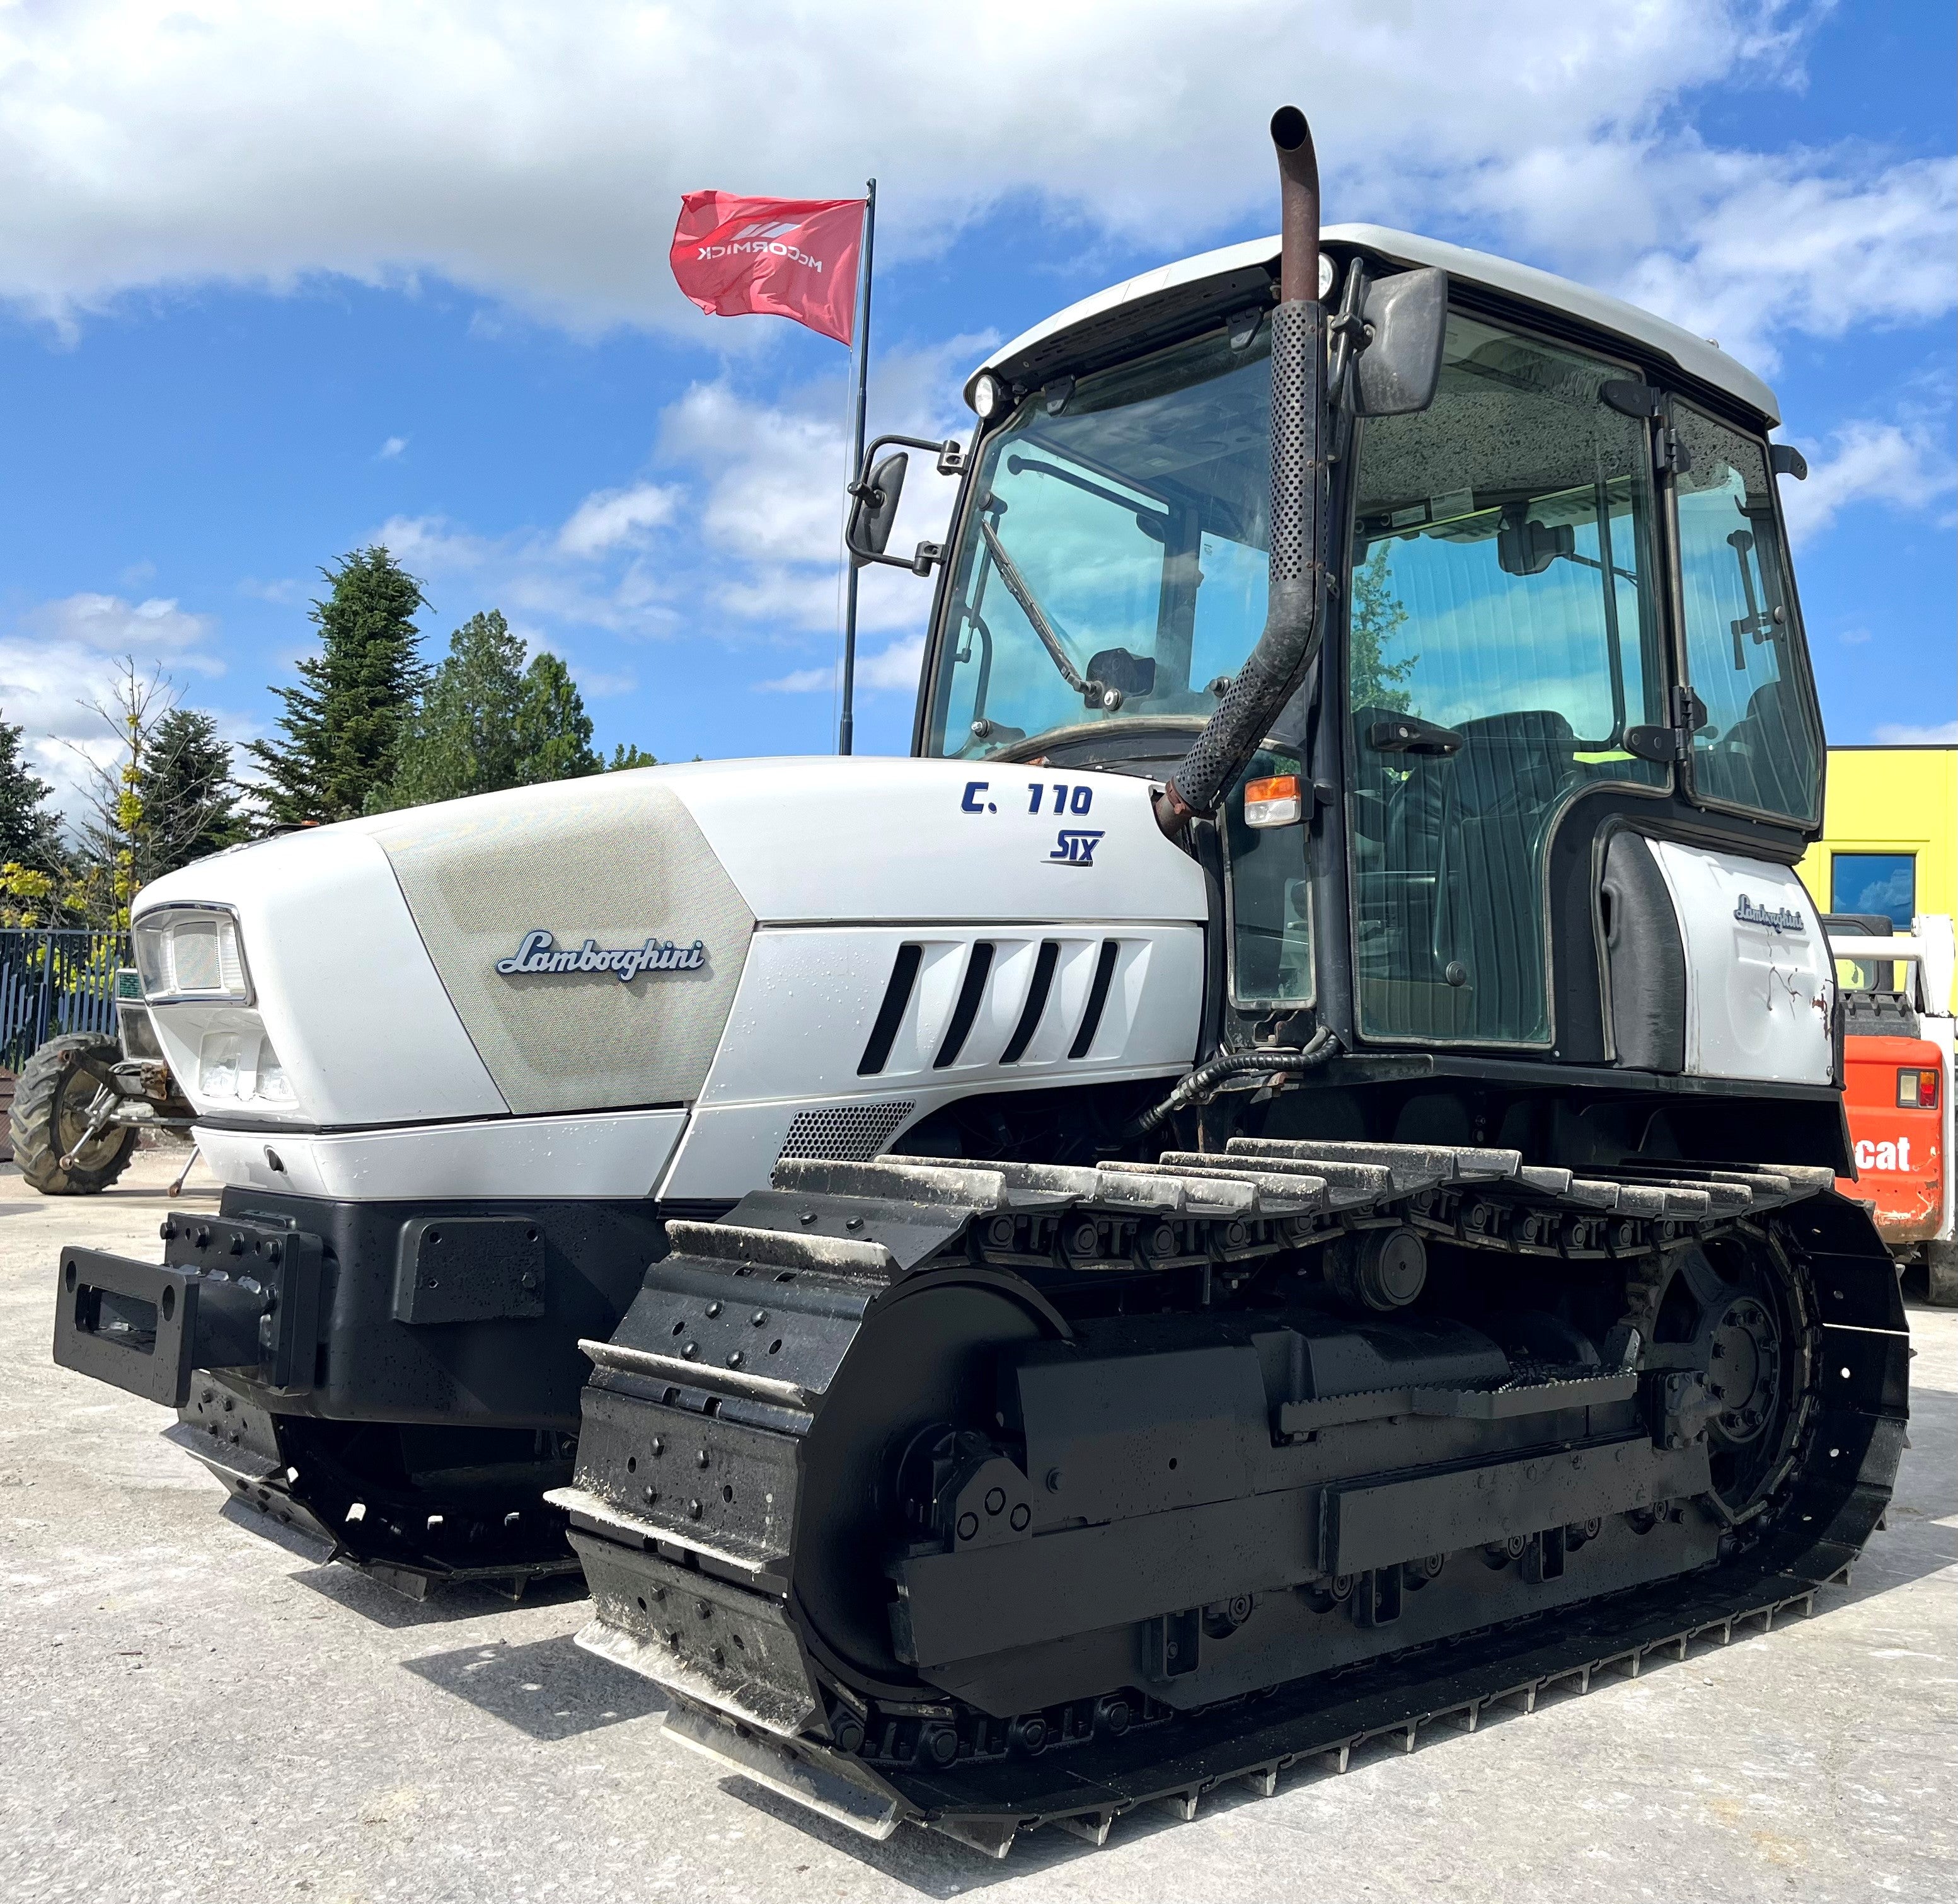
(55, 982)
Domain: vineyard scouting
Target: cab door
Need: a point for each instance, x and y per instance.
(1504, 633)
(1756, 743)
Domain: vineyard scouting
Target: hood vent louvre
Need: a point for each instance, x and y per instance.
(891, 1013)
(978, 965)
(1098, 998)
(1036, 1005)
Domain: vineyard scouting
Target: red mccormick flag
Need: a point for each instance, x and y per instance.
(788, 257)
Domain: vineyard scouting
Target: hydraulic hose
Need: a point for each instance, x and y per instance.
(1203, 1084)
(1272, 673)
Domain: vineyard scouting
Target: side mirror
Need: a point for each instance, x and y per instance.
(873, 510)
(874, 498)
(1398, 367)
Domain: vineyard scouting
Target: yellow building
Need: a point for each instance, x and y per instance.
(1889, 834)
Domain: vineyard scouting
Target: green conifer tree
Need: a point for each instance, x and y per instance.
(343, 723)
(555, 732)
(464, 737)
(190, 803)
(492, 715)
(29, 834)
(629, 754)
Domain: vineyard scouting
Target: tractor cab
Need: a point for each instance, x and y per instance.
(1558, 745)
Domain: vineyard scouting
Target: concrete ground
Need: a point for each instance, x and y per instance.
(189, 1711)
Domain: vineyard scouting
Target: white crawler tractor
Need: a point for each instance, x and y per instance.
(1272, 1182)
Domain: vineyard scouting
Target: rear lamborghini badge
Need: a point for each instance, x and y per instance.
(539, 954)
(1776, 918)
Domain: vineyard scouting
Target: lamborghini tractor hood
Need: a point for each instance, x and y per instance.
(581, 947)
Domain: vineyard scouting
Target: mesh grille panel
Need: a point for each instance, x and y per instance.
(848, 1132)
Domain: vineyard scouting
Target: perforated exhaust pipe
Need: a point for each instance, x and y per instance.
(1271, 676)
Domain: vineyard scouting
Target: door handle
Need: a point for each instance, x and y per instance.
(1409, 734)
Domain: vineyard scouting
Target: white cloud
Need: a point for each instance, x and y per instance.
(776, 472)
(803, 681)
(1903, 466)
(768, 507)
(894, 668)
(108, 624)
(595, 685)
(1944, 735)
(529, 575)
(1813, 243)
(609, 517)
(391, 449)
(509, 149)
(62, 655)
(744, 550)
(430, 544)
(281, 589)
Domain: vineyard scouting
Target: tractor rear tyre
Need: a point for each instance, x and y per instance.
(50, 1114)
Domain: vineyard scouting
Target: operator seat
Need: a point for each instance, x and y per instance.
(1770, 759)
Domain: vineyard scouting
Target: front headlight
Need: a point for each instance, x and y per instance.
(242, 1065)
(191, 953)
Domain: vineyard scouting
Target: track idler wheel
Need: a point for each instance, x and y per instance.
(913, 1410)
(1745, 1314)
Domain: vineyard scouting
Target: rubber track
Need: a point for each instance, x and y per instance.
(1258, 1197)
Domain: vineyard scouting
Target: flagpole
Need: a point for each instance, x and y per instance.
(846, 727)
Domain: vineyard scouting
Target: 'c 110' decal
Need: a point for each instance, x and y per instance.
(1076, 799)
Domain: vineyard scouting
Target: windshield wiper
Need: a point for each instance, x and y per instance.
(1092, 692)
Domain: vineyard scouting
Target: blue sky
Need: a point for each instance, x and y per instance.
(276, 283)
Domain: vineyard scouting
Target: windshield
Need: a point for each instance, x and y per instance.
(1112, 561)
(1502, 635)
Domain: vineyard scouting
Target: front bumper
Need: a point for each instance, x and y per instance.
(239, 1295)
(447, 1314)
(398, 1380)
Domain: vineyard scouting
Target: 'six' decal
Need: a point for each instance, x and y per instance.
(1073, 847)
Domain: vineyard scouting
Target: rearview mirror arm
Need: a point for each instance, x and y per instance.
(1348, 333)
(951, 461)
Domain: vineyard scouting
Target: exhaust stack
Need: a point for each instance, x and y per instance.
(1271, 676)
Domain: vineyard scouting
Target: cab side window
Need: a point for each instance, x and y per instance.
(1758, 746)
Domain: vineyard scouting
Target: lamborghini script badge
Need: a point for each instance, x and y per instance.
(539, 954)
(1776, 918)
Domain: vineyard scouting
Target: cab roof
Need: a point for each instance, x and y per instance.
(1213, 284)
